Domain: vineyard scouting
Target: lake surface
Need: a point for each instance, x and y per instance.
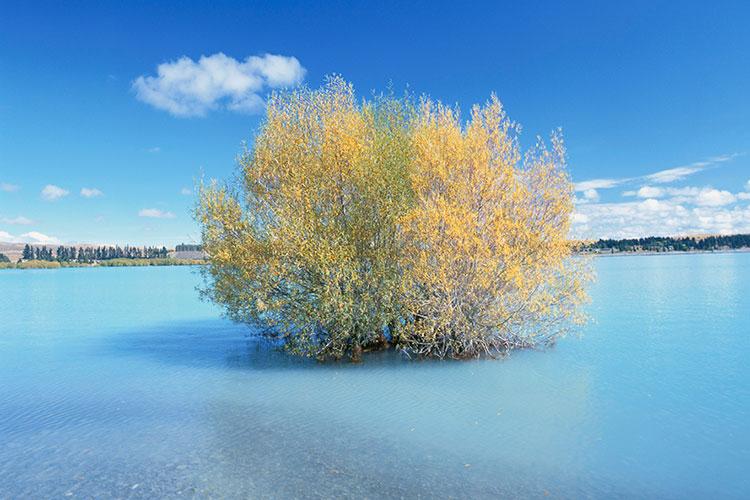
(119, 382)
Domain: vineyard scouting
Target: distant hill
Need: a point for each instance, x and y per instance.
(12, 250)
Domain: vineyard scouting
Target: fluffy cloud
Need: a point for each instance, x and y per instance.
(664, 210)
(591, 195)
(155, 213)
(714, 198)
(186, 191)
(188, 88)
(91, 193)
(654, 217)
(50, 192)
(705, 196)
(8, 188)
(20, 220)
(650, 192)
(579, 218)
(30, 237)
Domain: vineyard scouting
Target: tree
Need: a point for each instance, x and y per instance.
(487, 263)
(311, 249)
(28, 252)
(359, 224)
(4, 258)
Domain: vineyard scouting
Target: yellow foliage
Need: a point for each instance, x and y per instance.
(313, 254)
(358, 219)
(487, 262)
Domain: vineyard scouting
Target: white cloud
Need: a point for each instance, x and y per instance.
(186, 191)
(155, 213)
(652, 205)
(705, 196)
(660, 177)
(672, 174)
(650, 192)
(714, 198)
(8, 188)
(702, 196)
(20, 220)
(188, 88)
(653, 217)
(743, 196)
(591, 195)
(684, 191)
(52, 192)
(37, 237)
(155, 149)
(579, 218)
(598, 184)
(30, 237)
(679, 173)
(91, 193)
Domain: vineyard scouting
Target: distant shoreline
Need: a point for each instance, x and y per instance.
(44, 264)
(670, 252)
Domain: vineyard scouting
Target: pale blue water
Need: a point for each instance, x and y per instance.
(120, 383)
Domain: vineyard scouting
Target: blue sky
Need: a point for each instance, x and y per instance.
(639, 88)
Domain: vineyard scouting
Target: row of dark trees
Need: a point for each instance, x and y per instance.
(668, 244)
(92, 254)
(185, 247)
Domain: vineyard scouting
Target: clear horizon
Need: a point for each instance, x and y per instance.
(110, 114)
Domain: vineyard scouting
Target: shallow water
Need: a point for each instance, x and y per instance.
(119, 382)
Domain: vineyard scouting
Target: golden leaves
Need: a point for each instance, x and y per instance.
(359, 219)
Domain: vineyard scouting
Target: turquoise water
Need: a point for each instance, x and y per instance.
(119, 382)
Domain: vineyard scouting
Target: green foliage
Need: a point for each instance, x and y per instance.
(45, 264)
(37, 264)
(149, 262)
(310, 248)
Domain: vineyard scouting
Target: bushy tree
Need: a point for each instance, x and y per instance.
(311, 248)
(487, 264)
(355, 225)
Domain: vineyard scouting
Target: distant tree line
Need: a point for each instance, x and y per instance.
(669, 244)
(92, 254)
(184, 247)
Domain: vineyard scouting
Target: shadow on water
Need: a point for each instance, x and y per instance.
(220, 343)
